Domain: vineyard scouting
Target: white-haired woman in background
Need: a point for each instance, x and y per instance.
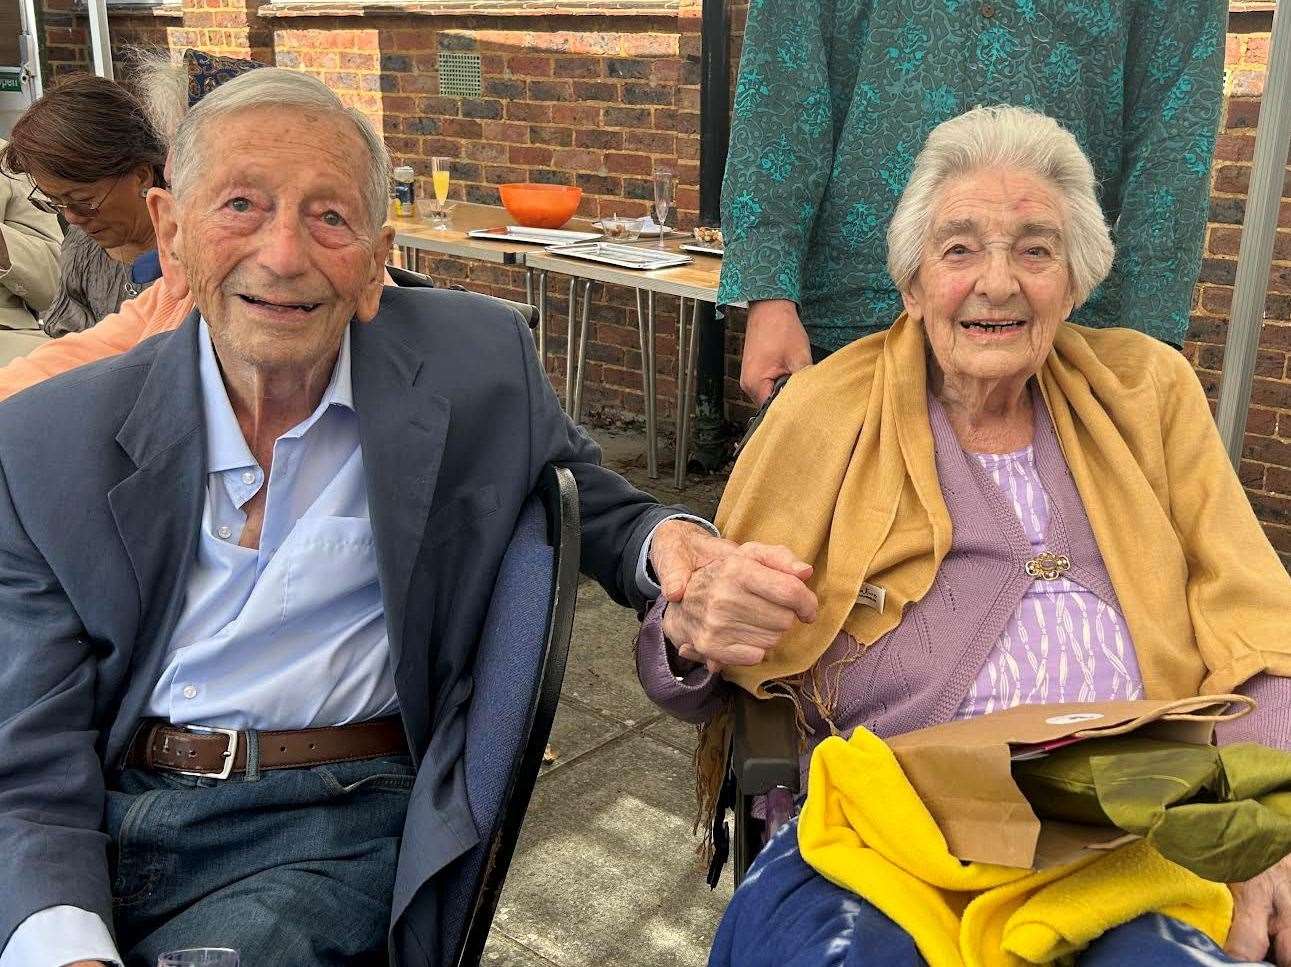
(1001, 506)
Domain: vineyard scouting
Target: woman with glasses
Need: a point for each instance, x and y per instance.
(92, 154)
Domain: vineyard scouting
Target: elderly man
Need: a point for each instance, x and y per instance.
(271, 532)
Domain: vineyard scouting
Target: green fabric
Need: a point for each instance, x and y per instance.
(1223, 813)
(836, 97)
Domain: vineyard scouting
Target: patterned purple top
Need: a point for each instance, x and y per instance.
(1063, 643)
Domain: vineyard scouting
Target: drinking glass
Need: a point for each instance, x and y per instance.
(200, 957)
(439, 178)
(665, 186)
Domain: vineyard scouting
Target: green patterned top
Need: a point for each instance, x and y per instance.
(835, 98)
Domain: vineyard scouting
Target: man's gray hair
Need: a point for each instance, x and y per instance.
(1003, 137)
(275, 87)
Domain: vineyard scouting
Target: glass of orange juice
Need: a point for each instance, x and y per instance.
(439, 175)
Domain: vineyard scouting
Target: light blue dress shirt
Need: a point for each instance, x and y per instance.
(290, 635)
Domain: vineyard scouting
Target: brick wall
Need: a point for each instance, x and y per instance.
(596, 99)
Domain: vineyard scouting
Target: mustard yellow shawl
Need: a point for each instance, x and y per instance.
(842, 471)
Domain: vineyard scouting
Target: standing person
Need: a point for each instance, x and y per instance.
(835, 98)
(93, 154)
(29, 240)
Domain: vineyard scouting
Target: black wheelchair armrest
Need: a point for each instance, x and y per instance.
(765, 747)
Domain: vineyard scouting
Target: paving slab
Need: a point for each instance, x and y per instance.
(676, 733)
(576, 731)
(501, 951)
(606, 871)
(601, 672)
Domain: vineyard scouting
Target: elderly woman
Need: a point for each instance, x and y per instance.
(93, 154)
(1003, 507)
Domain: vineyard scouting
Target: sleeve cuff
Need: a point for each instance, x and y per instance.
(687, 696)
(646, 582)
(57, 936)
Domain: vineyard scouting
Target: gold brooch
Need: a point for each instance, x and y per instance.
(1048, 567)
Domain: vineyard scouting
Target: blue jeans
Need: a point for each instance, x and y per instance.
(785, 914)
(292, 867)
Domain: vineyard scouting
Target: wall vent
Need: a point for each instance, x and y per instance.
(459, 74)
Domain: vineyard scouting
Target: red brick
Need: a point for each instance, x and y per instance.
(1235, 179)
(576, 67)
(596, 91)
(504, 175)
(1257, 50)
(1235, 147)
(578, 159)
(1261, 421)
(1278, 481)
(489, 152)
(509, 131)
(529, 154)
(558, 137)
(598, 138)
(527, 65)
(1272, 392)
(577, 115)
(1247, 83)
(651, 142)
(628, 164)
(1251, 474)
(528, 111)
(1223, 241)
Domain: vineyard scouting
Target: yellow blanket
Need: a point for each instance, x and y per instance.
(864, 828)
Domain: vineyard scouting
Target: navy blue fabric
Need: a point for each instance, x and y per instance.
(785, 914)
(146, 268)
(507, 667)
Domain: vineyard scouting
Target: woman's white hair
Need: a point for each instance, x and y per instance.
(1003, 137)
(162, 85)
(275, 87)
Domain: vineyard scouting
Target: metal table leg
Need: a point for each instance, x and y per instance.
(542, 318)
(645, 332)
(687, 381)
(576, 413)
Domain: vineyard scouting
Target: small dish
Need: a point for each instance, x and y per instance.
(618, 229)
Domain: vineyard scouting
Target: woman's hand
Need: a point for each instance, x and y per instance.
(738, 607)
(1262, 916)
(775, 345)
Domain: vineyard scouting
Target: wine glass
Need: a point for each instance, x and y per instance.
(665, 187)
(439, 176)
(199, 957)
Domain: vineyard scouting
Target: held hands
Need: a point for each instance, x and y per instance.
(775, 345)
(1262, 917)
(738, 607)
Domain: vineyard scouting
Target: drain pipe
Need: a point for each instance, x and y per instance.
(709, 449)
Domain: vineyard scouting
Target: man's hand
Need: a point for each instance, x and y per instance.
(775, 345)
(1262, 916)
(737, 608)
(678, 549)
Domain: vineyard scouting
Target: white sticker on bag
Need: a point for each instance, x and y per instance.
(1071, 718)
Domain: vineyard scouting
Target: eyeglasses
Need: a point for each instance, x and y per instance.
(79, 208)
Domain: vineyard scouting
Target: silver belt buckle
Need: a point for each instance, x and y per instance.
(231, 735)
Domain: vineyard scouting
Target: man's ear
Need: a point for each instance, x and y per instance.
(370, 298)
(165, 223)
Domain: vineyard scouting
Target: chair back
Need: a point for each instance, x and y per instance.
(519, 668)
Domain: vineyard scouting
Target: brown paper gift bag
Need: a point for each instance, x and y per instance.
(961, 771)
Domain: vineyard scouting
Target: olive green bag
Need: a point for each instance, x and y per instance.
(1224, 813)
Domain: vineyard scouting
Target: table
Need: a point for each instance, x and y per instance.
(694, 283)
(413, 235)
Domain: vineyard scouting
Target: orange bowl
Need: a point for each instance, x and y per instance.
(540, 206)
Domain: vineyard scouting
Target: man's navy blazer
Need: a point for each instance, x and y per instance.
(102, 481)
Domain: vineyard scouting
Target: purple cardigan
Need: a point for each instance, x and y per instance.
(919, 673)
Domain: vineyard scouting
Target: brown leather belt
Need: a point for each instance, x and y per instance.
(218, 753)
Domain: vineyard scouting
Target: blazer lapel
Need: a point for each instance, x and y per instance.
(403, 426)
(158, 508)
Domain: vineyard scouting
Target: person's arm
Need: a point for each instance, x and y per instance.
(780, 156)
(683, 688)
(51, 778)
(1174, 77)
(117, 333)
(29, 241)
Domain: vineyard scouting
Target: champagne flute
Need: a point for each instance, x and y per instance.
(665, 186)
(439, 176)
(200, 957)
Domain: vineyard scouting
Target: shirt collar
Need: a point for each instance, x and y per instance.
(226, 448)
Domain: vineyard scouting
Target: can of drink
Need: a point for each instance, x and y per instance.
(404, 192)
